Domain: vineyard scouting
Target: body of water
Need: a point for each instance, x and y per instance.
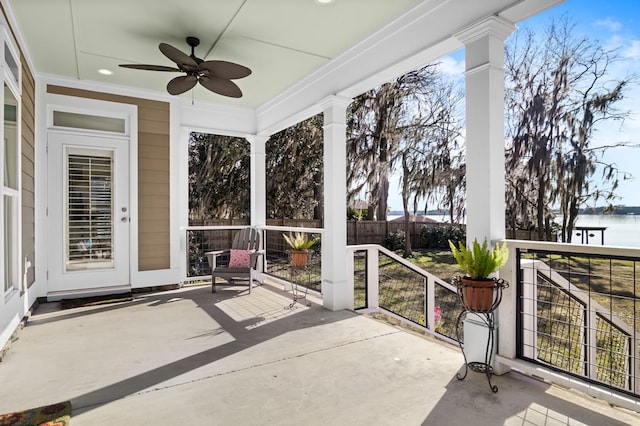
(622, 230)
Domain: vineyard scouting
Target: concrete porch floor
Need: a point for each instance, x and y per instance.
(188, 357)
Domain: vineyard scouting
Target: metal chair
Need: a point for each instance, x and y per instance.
(246, 240)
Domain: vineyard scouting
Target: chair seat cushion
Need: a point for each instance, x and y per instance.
(231, 272)
(240, 258)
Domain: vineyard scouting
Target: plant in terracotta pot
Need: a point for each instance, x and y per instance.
(300, 244)
(478, 262)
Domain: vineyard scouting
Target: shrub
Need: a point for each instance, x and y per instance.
(394, 241)
(357, 214)
(437, 237)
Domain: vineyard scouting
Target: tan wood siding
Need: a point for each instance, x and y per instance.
(28, 171)
(153, 174)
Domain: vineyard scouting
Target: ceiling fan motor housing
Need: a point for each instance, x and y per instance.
(193, 41)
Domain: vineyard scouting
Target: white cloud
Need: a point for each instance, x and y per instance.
(633, 50)
(451, 66)
(608, 24)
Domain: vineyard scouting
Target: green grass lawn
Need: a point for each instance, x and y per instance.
(440, 263)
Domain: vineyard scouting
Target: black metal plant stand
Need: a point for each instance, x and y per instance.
(486, 314)
(298, 295)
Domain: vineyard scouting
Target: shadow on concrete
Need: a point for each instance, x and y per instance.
(520, 400)
(243, 338)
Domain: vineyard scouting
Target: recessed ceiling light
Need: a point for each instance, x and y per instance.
(324, 1)
(105, 71)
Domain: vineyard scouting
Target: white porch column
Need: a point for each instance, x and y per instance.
(484, 56)
(258, 180)
(484, 77)
(336, 292)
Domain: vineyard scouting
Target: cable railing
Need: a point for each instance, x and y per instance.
(579, 314)
(276, 263)
(202, 239)
(280, 265)
(384, 281)
(381, 279)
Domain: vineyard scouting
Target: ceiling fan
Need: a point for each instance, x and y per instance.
(213, 75)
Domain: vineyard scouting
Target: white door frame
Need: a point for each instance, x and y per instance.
(125, 111)
(102, 275)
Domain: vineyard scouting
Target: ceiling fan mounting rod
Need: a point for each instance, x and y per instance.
(194, 42)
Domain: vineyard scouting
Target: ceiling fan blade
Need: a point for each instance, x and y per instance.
(224, 69)
(221, 86)
(183, 60)
(181, 84)
(149, 67)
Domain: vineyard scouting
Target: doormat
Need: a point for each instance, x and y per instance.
(95, 300)
(48, 415)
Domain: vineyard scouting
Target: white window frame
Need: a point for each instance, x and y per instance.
(14, 84)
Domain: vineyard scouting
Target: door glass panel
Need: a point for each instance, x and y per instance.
(89, 212)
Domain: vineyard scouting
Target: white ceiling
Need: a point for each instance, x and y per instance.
(281, 41)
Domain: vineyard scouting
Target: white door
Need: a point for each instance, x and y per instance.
(88, 213)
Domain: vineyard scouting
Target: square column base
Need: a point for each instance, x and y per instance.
(337, 295)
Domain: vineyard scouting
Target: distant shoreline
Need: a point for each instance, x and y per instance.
(618, 210)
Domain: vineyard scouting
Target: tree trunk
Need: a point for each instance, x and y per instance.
(405, 206)
(540, 208)
(383, 182)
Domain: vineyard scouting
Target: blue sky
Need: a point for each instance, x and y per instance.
(614, 24)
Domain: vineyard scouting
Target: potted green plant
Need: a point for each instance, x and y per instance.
(478, 262)
(300, 243)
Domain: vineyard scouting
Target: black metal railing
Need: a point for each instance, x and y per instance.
(279, 262)
(386, 281)
(402, 290)
(360, 294)
(447, 309)
(579, 314)
(202, 239)
(277, 259)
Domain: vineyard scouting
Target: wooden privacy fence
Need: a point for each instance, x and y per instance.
(374, 232)
(358, 232)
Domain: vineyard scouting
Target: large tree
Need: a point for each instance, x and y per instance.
(373, 138)
(409, 125)
(219, 186)
(558, 90)
(428, 151)
(294, 166)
